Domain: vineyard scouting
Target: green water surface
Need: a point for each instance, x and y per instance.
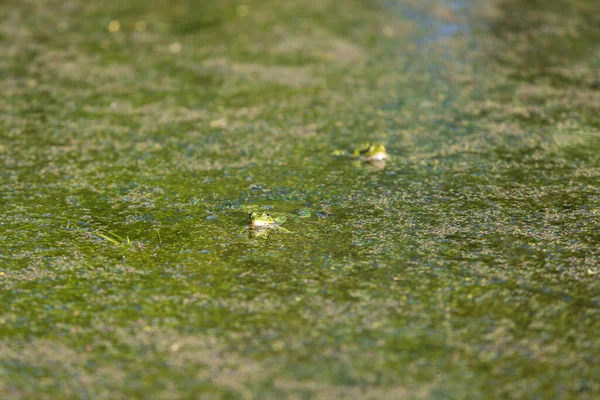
(136, 135)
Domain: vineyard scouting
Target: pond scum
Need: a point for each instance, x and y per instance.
(135, 136)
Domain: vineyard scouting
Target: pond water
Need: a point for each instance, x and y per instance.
(135, 138)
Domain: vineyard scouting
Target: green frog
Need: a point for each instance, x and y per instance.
(371, 152)
(261, 220)
(261, 223)
(367, 152)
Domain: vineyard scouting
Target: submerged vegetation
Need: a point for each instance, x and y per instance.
(136, 135)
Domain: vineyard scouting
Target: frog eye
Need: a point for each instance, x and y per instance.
(267, 215)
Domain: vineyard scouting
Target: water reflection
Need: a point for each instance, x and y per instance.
(439, 20)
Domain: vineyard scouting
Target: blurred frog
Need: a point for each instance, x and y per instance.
(367, 152)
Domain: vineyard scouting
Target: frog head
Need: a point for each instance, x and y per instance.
(373, 152)
(258, 219)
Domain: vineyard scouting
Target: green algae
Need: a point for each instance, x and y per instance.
(467, 267)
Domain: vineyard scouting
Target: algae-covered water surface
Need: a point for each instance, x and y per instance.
(137, 136)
